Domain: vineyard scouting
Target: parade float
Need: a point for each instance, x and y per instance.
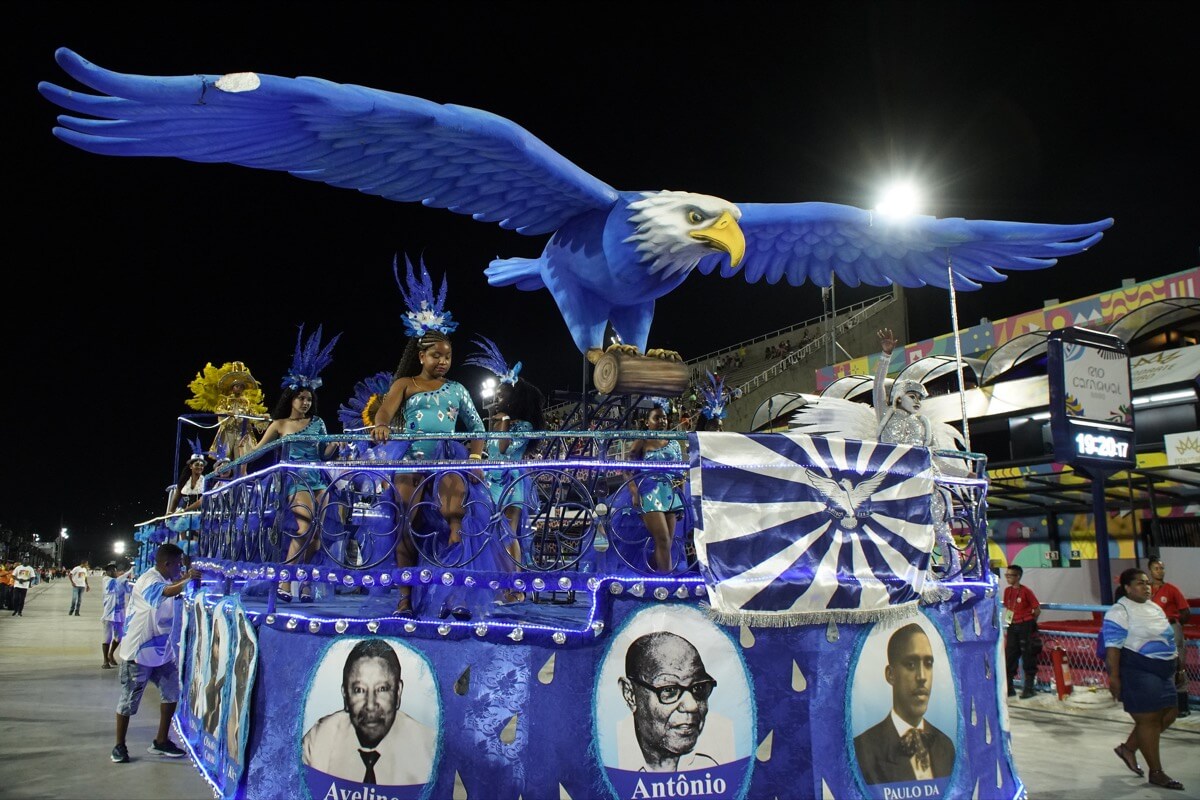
(824, 591)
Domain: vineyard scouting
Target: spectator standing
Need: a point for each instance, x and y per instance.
(116, 590)
(1140, 656)
(23, 577)
(79, 585)
(1168, 597)
(6, 584)
(148, 650)
(1021, 610)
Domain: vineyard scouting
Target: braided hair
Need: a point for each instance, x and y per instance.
(410, 363)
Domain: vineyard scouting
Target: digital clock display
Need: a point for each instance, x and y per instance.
(1091, 406)
(1103, 445)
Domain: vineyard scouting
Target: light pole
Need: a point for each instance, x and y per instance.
(60, 545)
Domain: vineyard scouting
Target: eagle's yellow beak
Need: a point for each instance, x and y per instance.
(725, 235)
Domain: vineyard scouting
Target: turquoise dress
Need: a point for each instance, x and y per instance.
(657, 489)
(438, 412)
(628, 535)
(500, 479)
(311, 480)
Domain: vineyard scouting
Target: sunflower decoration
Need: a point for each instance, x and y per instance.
(359, 411)
(213, 387)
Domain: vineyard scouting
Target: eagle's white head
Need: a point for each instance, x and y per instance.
(674, 230)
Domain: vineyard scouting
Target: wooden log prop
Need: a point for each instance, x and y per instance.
(626, 373)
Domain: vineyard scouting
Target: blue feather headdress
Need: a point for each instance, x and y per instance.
(490, 359)
(198, 453)
(357, 411)
(425, 311)
(309, 360)
(661, 402)
(714, 397)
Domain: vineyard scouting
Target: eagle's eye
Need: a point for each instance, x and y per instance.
(695, 217)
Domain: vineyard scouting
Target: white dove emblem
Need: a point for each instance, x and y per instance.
(843, 498)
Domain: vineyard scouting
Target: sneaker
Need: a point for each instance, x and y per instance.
(166, 748)
(120, 754)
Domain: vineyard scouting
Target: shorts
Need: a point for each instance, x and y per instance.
(134, 678)
(114, 631)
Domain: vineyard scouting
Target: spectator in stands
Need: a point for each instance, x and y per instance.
(1021, 610)
(1168, 597)
(1140, 655)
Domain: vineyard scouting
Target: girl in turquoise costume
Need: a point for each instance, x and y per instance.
(518, 409)
(654, 494)
(428, 403)
(295, 414)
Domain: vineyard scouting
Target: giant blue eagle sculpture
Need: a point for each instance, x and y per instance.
(611, 254)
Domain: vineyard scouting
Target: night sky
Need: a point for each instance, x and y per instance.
(125, 276)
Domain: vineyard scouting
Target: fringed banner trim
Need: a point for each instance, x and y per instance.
(791, 619)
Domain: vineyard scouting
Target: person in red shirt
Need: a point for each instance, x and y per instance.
(1021, 610)
(1168, 597)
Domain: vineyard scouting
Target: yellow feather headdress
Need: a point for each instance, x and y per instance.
(210, 388)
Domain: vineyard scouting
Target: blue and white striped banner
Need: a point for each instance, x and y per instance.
(794, 529)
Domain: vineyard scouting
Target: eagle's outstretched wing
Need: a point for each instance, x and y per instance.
(865, 488)
(393, 145)
(813, 241)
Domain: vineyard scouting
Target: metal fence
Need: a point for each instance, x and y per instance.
(269, 514)
(1079, 653)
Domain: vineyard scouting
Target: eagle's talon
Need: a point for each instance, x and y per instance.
(665, 355)
(628, 349)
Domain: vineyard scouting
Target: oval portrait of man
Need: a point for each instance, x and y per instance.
(195, 658)
(216, 668)
(674, 704)
(904, 710)
(371, 720)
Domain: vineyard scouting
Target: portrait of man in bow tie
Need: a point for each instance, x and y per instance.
(905, 746)
(371, 740)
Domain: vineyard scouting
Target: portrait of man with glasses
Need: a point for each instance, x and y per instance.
(667, 690)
